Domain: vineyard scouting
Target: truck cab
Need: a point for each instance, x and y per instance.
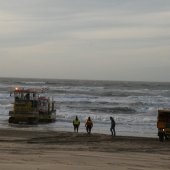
(163, 124)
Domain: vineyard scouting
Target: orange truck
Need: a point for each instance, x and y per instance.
(163, 124)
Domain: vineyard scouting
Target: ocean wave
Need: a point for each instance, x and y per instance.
(31, 82)
(99, 92)
(100, 109)
(6, 106)
(124, 110)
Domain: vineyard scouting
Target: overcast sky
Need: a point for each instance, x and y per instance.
(85, 39)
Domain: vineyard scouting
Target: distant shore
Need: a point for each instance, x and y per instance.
(27, 149)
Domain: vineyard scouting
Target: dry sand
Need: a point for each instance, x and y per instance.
(49, 150)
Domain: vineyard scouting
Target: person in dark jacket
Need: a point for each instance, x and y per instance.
(112, 128)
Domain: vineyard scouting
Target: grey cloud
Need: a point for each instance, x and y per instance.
(93, 29)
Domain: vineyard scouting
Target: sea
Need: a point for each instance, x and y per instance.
(134, 105)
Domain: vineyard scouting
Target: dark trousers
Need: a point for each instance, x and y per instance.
(76, 128)
(112, 129)
(88, 128)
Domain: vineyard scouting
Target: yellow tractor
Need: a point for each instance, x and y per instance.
(31, 107)
(163, 124)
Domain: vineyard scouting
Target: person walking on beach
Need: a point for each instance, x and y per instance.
(112, 128)
(76, 124)
(88, 125)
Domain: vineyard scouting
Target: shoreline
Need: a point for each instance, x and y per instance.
(42, 150)
(92, 142)
(69, 128)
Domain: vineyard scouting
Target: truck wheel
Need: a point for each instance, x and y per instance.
(10, 120)
(32, 121)
(161, 137)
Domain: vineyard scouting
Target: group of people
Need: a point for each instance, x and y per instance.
(89, 125)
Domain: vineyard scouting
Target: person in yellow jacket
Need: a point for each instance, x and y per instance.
(88, 125)
(76, 124)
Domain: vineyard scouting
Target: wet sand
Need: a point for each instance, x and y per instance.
(51, 150)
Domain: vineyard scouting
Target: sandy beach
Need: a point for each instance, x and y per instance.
(50, 150)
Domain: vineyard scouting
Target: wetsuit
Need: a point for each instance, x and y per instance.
(112, 128)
